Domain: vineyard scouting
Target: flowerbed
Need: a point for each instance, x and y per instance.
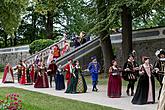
(11, 102)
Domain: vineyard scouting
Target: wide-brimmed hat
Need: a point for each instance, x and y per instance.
(159, 52)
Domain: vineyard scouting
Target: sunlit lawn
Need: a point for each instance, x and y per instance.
(39, 101)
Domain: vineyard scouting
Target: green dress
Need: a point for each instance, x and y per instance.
(77, 83)
(73, 82)
(81, 83)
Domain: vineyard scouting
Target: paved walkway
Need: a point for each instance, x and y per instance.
(99, 97)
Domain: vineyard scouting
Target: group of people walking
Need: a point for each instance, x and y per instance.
(144, 74)
(38, 73)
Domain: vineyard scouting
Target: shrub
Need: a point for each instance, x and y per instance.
(1, 68)
(40, 44)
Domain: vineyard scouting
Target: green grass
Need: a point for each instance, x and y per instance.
(1, 74)
(39, 101)
(104, 81)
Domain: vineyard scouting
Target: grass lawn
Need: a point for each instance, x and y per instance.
(103, 81)
(1, 74)
(39, 101)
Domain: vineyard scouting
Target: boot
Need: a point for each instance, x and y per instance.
(132, 93)
(127, 92)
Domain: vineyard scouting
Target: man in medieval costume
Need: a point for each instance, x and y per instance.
(159, 67)
(52, 71)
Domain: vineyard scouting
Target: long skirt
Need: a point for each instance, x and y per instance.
(59, 80)
(8, 78)
(145, 90)
(81, 84)
(114, 86)
(42, 81)
(161, 103)
(72, 85)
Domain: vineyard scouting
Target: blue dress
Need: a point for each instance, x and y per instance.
(59, 80)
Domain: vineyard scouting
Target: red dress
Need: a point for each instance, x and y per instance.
(23, 79)
(68, 72)
(32, 72)
(114, 84)
(42, 79)
(8, 76)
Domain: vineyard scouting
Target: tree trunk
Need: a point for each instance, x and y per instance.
(34, 19)
(107, 50)
(49, 25)
(5, 40)
(15, 39)
(11, 42)
(104, 36)
(126, 19)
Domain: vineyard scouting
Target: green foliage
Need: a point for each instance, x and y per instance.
(2, 67)
(40, 44)
(10, 14)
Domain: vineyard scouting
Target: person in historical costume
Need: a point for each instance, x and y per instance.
(28, 76)
(66, 48)
(159, 66)
(69, 70)
(56, 52)
(161, 102)
(94, 68)
(32, 71)
(59, 79)
(36, 59)
(50, 57)
(82, 38)
(8, 76)
(81, 86)
(130, 74)
(114, 82)
(52, 71)
(42, 79)
(145, 91)
(19, 70)
(23, 79)
(71, 87)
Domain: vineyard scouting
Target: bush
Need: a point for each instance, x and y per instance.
(40, 44)
(2, 68)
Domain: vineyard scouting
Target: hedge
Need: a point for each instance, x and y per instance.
(40, 44)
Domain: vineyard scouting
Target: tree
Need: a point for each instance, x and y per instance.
(50, 9)
(10, 14)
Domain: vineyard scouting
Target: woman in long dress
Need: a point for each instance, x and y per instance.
(81, 83)
(8, 76)
(50, 57)
(145, 92)
(23, 79)
(59, 79)
(114, 83)
(42, 79)
(71, 87)
(161, 103)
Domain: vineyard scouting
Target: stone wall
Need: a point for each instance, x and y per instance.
(144, 47)
(13, 58)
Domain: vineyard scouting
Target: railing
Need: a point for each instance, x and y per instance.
(45, 51)
(15, 49)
